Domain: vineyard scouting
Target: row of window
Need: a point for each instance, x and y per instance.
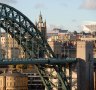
(16, 84)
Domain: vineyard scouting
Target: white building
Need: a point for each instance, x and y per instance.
(90, 27)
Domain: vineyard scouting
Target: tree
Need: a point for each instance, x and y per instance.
(75, 32)
(82, 32)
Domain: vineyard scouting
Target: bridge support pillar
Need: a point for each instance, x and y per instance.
(85, 70)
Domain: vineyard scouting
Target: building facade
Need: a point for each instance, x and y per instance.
(10, 47)
(91, 27)
(13, 81)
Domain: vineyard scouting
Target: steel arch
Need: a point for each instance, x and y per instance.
(10, 17)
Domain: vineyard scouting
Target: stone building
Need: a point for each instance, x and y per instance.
(10, 47)
(13, 81)
(85, 65)
(56, 47)
(63, 49)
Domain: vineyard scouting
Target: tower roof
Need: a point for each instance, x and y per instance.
(40, 18)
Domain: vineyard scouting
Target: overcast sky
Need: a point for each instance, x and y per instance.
(66, 14)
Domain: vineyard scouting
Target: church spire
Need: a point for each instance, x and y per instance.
(40, 18)
(41, 25)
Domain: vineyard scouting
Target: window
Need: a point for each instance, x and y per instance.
(10, 83)
(7, 83)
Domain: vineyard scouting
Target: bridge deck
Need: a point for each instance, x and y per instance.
(42, 61)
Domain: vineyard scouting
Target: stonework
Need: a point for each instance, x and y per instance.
(85, 71)
(13, 81)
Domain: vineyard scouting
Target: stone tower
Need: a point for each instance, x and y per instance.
(85, 79)
(41, 26)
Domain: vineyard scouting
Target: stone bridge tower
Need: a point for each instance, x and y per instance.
(85, 69)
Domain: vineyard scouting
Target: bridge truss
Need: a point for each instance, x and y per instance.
(36, 49)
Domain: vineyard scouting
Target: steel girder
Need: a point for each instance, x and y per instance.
(61, 74)
(40, 61)
(44, 76)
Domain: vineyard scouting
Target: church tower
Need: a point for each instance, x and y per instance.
(41, 26)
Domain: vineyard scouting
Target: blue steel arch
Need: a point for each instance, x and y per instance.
(12, 19)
